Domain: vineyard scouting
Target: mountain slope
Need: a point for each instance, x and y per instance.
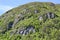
(32, 21)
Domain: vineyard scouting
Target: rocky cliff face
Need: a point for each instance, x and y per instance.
(34, 20)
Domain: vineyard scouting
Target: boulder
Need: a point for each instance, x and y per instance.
(40, 18)
(27, 30)
(48, 15)
(52, 4)
(36, 11)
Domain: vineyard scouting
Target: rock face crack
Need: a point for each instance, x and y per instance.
(9, 25)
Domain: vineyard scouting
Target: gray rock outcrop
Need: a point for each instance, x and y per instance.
(27, 30)
(48, 15)
(17, 19)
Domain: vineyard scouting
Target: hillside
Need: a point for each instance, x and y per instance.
(31, 21)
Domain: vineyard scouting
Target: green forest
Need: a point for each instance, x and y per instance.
(31, 21)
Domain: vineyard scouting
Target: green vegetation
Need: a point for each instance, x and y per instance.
(44, 17)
